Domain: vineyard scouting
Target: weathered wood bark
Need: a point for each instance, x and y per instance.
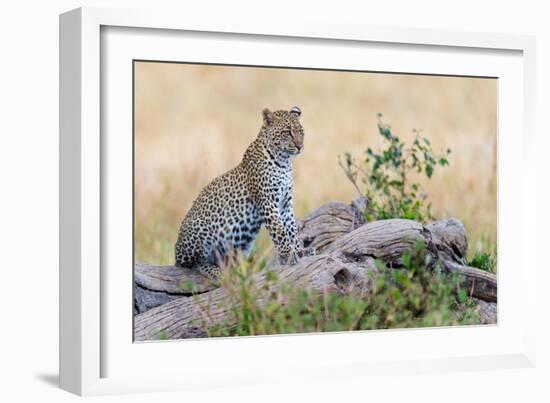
(329, 222)
(157, 285)
(482, 285)
(346, 249)
(170, 279)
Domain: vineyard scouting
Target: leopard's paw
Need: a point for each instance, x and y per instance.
(288, 257)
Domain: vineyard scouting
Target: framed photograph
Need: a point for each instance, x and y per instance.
(240, 203)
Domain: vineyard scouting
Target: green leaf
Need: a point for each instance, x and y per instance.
(271, 276)
(462, 295)
(406, 260)
(429, 170)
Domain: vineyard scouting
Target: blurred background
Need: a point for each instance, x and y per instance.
(194, 122)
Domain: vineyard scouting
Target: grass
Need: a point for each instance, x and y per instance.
(194, 122)
(484, 261)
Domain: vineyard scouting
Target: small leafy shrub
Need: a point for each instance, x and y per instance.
(484, 261)
(386, 176)
(417, 294)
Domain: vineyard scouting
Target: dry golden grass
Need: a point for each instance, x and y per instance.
(192, 123)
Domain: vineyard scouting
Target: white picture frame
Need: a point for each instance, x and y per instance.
(97, 355)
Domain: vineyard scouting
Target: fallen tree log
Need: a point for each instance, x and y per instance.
(157, 285)
(345, 252)
(329, 222)
(487, 311)
(482, 285)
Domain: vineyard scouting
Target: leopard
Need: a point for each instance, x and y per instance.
(229, 212)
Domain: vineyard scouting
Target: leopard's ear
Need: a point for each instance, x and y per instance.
(296, 111)
(268, 117)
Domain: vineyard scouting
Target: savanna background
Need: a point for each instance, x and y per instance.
(193, 123)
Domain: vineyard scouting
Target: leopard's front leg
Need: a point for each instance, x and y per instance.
(283, 236)
(289, 221)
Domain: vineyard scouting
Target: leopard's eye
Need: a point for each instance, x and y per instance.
(285, 132)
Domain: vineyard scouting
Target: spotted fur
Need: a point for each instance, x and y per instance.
(229, 212)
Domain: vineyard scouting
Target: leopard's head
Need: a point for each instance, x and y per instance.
(282, 131)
